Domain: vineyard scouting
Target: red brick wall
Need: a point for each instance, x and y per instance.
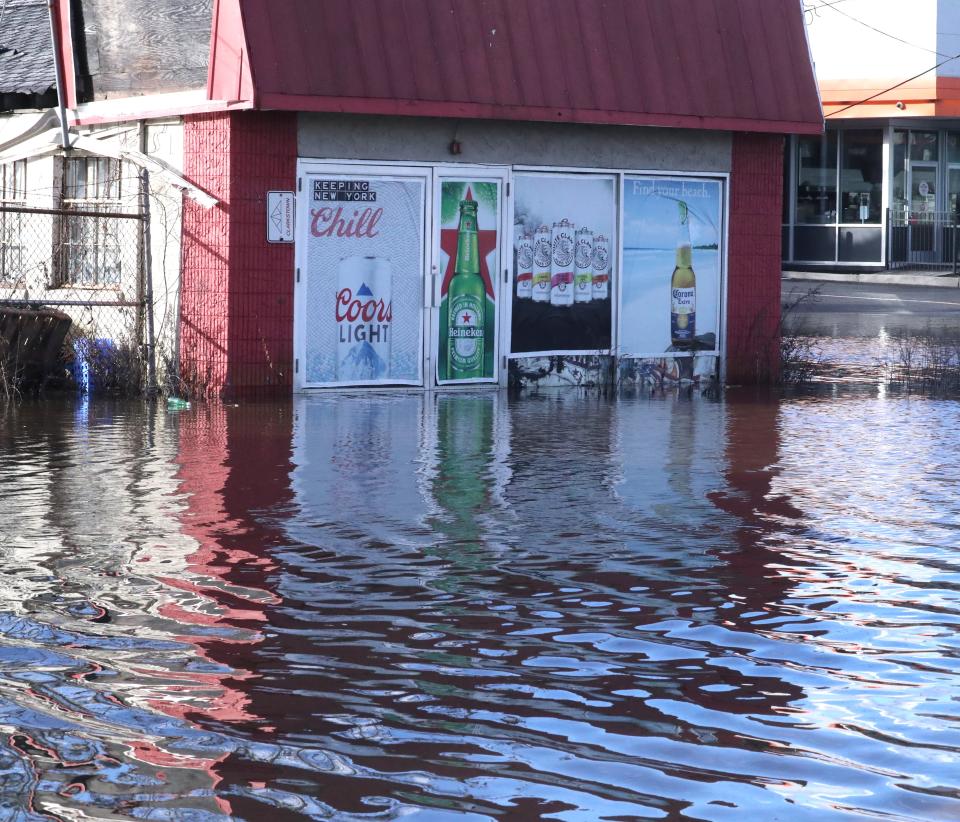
(753, 284)
(236, 311)
(205, 271)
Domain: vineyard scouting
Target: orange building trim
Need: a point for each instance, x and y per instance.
(927, 96)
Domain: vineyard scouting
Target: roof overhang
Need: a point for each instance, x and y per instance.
(615, 63)
(41, 140)
(425, 108)
(692, 65)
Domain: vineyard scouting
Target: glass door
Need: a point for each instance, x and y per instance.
(923, 208)
(953, 215)
(468, 271)
(953, 187)
(359, 298)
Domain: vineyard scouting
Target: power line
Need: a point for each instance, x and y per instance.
(874, 28)
(891, 88)
(812, 10)
(823, 4)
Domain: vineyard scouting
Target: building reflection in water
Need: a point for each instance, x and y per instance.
(107, 610)
(464, 484)
(451, 569)
(388, 602)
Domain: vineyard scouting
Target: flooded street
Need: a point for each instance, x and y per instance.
(476, 606)
(875, 334)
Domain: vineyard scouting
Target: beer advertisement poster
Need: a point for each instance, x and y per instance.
(364, 280)
(670, 293)
(468, 257)
(564, 263)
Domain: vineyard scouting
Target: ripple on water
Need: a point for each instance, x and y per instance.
(469, 606)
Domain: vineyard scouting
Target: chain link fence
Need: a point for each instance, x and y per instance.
(89, 262)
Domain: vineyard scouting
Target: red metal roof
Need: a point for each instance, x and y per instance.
(720, 64)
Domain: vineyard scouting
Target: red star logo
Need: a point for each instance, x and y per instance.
(487, 242)
(466, 318)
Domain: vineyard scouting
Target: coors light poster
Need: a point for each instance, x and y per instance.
(364, 290)
(468, 254)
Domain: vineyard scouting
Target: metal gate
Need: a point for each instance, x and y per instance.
(923, 240)
(93, 265)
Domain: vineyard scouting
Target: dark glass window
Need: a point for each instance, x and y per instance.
(861, 175)
(923, 145)
(953, 174)
(953, 147)
(860, 245)
(817, 179)
(898, 197)
(815, 244)
(786, 180)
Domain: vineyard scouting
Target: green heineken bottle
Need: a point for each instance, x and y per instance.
(466, 300)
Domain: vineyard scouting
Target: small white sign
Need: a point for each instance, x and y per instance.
(280, 211)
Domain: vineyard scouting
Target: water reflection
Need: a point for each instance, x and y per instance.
(466, 604)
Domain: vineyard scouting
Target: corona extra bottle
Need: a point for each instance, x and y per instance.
(683, 289)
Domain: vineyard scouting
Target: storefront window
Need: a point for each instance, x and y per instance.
(672, 260)
(380, 244)
(898, 198)
(953, 173)
(953, 147)
(923, 146)
(954, 188)
(786, 181)
(861, 176)
(565, 261)
(817, 179)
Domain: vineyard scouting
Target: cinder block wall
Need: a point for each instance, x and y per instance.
(236, 309)
(753, 265)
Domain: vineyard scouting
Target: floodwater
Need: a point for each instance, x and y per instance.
(476, 606)
(873, 334)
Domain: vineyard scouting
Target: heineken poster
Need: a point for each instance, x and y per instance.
(363, 265)
(564, 279)
(670, 294)
(468, 261)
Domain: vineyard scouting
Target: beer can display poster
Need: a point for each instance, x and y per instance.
(564, 263)
(364, 288)
(670, 294)
(467, 256)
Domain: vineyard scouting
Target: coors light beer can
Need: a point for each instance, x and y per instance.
(601, 267)
(583, 266)
(561, 268)
(364, 314)
(525, 266)
(542, 252)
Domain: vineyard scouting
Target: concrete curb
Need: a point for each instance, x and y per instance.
(891, 278)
